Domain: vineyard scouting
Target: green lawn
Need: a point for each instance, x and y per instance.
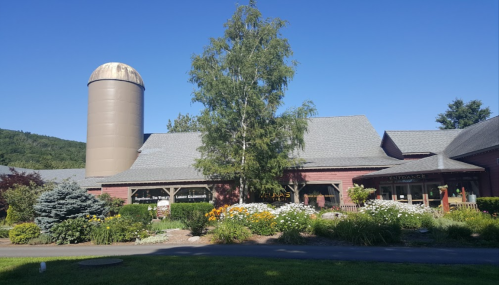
(235, 271)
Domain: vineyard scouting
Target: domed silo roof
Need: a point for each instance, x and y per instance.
(116, 71)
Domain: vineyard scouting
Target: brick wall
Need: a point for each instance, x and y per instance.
(117, 191)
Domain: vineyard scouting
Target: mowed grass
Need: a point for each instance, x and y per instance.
(236, 270)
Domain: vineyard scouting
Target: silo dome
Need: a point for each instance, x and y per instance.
(116, 71)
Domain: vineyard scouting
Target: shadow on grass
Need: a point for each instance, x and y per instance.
(237, 270)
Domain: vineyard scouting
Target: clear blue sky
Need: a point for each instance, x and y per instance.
(397, 62)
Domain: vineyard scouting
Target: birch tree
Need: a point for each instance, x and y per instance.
(241, 80)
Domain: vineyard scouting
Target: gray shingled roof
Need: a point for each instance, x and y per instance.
(435, 163)
(6, 169)
(434, 141)
(330, 142)
(479, 137)
(56, 175)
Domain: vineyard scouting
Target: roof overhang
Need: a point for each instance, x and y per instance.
(367, 176)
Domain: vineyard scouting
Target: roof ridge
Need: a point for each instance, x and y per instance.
(408, 131)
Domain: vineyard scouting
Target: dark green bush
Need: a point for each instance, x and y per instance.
(489, 204)
(490, 233)
(71, 231)
(137, 213)
(196, 223)
(363, 230)
(23, 233)
(182, 211)
(459, 232)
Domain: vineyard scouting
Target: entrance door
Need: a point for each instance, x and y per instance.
(402, 192)
(409, 193)
(385, 192)
(416, 193)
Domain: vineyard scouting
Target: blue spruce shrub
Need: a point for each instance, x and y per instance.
(66, 201)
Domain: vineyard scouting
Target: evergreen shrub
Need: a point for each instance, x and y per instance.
(489, 204)
(23, 233)
(137, 213)
(66, 201)
(71, 231)
(182, 211)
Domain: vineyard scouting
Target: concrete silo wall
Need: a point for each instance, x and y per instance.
(115, 127)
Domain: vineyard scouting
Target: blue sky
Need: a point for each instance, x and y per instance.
(397, 62)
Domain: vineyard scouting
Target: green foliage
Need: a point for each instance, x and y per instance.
(242, 78)
(196, 222)
(137, 213)
(26, 150)
(490, 232)
(293, 221)
(460, 115)
(474, 221)
(4, 233)
(12, 216)
(291, 237)
(230, 231)
(117, 229)
(72, 231)
(489, 204)
(262, 223)
(182, 211)
(66, 201)
(324, 227)
(458, 232)
(42, 239)
(114, 204)
(22, 233)
(358, 194)
(21, 200)
(360, 229)
(10, 180)
(183, 124)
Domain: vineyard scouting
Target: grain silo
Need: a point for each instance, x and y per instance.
(115, 123)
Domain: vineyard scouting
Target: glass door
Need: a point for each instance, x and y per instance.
(402, 193)
(416, 194)
(385, 192)
(433, 195)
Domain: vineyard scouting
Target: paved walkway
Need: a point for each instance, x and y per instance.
(380, 254)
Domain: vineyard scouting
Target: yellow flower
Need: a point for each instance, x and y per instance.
(107, 228)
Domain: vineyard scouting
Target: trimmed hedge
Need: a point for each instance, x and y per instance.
(182, 211)
(137, 212)
(489, 204)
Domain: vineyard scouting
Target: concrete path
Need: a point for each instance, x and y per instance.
(379, 254)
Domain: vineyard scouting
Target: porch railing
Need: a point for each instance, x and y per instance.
(349, 208)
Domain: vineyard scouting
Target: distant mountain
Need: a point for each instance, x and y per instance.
(27, 150)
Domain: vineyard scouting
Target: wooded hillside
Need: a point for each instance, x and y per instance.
(26, 150)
